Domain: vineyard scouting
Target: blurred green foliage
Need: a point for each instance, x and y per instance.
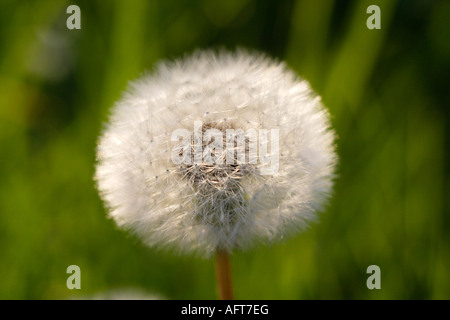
(387, 92)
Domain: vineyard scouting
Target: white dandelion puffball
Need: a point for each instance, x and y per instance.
(216, 151)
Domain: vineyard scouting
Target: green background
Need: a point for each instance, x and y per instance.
(387, 92)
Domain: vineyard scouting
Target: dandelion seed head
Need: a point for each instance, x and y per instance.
(208, 205)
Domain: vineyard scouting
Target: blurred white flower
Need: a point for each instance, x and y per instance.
(122, 294)
(204, 207)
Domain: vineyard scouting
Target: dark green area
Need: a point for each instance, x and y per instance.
(387, 92)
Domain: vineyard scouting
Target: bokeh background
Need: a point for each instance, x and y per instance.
(387, 91)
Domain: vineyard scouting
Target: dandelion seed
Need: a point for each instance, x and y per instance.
(221, 194)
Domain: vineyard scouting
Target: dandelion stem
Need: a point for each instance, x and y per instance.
(223, 275)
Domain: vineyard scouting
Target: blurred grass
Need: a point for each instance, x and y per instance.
(386, 91)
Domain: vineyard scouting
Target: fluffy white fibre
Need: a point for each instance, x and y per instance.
(146, 193)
